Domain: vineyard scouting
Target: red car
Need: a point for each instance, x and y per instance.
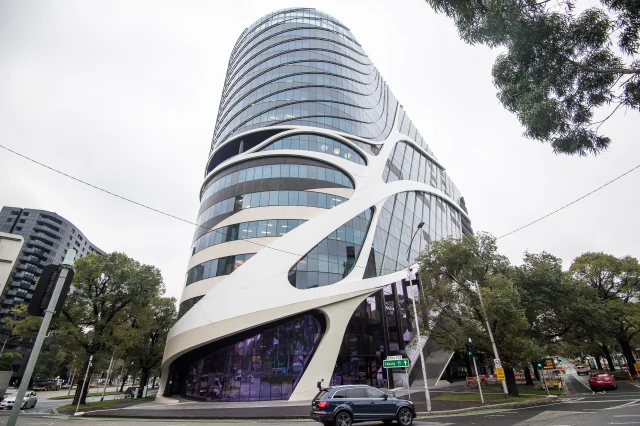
(599, 381)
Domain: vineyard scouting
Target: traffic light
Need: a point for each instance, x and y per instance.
(560, 361)
(468, 348)
(539, 365)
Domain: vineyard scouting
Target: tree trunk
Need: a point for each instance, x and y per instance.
(527, 375)
(83, 387)
(512, 386)
(607, 355)
(628, 355)
(470, 371)
(598, 363)
(536, 372)
(153, 384)
(144, 378)
(124, 378)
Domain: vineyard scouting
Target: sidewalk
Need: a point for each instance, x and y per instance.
(171, 408)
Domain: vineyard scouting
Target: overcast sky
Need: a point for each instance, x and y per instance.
(124, 94)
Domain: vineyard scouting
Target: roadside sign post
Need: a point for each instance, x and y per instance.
(477, 376)
(67, 266)
(396, 361)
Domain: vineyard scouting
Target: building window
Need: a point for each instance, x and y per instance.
(19, 228)
(14, 213)
(271, 198)
(25, 213)
(317, 143)
(8, 219)
(245, 230)
(216, 267)
(334, 257)
(262, 366)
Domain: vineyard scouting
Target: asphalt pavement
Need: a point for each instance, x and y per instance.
(584, 407)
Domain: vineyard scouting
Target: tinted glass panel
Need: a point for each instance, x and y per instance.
(317, 143)
(263, 366)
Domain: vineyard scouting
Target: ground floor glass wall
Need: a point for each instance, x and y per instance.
(262, 366)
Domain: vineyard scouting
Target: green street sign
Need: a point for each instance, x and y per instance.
(395, 363)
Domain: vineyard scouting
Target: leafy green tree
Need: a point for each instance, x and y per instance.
(452, 312)
(7, 358)
(109, 289)
(557, 66)
(616, 282)
(147, 335)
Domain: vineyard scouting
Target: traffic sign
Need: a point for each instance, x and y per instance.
(497, 363)
(394, 357)
(395, 363)
(500, 373)
(549, 364)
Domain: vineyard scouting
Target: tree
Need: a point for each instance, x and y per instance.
(148, 334)
(616, 282)
(557, 66)
(109, 289)
(452, 312)
(7, 358)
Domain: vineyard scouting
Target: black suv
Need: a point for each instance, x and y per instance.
(344, 405)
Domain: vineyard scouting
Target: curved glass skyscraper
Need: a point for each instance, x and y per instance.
(316, 182)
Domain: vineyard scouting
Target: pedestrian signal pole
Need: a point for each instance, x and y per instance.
(469, 350)
(67, 267)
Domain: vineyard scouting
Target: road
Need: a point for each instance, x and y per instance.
(45, 405)
(584, 408)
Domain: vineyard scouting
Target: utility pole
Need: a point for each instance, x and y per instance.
(107, 381)
(73, 374)
(83, 383)
(415, 314)
(67, 265)
(477, 374)
(493, 343)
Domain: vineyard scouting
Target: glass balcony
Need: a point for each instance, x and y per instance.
(43, 219)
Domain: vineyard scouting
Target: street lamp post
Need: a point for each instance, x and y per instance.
(415, 314)
(5, 341)
(493, 343)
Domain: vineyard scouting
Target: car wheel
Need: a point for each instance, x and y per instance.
(343, 419)
(34, 404)
(405, 417)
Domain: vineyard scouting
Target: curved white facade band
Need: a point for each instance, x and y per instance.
(316, 182)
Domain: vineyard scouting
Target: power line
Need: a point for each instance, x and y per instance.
(567, 205)
(265, 246)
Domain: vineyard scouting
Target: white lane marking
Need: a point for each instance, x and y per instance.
(624, 405)
(627, 415)
(626, 423)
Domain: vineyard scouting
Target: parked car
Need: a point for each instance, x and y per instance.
(29, 400)
(600, 381)
(345, 405)
(581, 369)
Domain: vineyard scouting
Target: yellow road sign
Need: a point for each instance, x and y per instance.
(500, 374)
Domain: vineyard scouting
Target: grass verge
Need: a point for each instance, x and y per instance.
(114, 403)
(491, 397)
(88, 396)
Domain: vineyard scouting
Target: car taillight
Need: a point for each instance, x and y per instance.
(321, 404)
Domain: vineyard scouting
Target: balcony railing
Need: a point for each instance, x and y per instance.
(39, 243)
(35, 251)
(49, 222)
(46, 219)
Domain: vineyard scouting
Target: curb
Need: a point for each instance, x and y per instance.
(524, 404)
(420, 414)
